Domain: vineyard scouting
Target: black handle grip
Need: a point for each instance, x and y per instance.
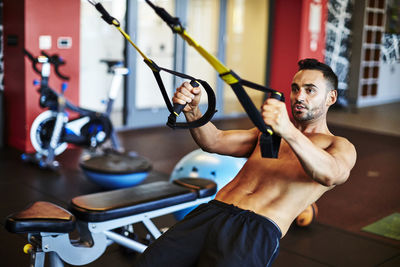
(179, 107)
(277, 96)
(269, 142)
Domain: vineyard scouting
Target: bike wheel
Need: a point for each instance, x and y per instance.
(41, 132)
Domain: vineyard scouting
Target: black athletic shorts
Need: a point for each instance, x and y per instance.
(216, 234)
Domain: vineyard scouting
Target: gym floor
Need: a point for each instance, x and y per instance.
(334, 239)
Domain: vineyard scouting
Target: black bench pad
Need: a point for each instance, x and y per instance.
(44, 216)
(119, 203)
(204, 187)
(41, 216)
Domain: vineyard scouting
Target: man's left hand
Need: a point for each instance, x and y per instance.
(275, 115)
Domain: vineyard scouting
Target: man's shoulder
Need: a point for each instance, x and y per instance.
(344, 143)
(335, 144)
(341, 147)
(326, 140)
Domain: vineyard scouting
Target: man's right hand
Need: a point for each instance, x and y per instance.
(187, 95)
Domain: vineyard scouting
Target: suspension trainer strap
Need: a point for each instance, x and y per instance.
(175, 109)
(269, 142)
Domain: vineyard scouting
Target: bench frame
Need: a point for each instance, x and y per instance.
(95, 237)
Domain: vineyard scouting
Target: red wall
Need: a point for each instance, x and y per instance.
(14, 73)
(28, 19)
(312, 41)
(290, 42)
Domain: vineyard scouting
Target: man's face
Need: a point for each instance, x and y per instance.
(308, 96)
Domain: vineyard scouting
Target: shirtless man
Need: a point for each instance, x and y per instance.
(243, 225)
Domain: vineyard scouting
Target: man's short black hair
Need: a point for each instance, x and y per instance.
(313, 64)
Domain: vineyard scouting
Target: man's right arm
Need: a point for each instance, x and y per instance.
(238, 143)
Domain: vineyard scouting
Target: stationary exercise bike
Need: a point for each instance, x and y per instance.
(53, 130)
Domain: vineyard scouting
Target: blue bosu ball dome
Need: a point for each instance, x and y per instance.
(200, 164)
(116, 170)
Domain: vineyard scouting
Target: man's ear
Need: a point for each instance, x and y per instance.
(331, 97)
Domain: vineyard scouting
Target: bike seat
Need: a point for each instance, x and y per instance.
(112, 63)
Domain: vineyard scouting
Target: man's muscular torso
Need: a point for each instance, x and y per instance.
(278, 189)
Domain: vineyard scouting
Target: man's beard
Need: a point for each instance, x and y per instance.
(306, 114)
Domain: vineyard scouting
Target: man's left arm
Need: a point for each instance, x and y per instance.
(330, 166)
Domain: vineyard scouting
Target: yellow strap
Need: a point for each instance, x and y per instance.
(229, 78)
(219, 67)
(127, 37)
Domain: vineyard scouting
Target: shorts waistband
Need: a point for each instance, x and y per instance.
(236, 210)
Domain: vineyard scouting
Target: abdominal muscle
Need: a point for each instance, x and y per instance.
(278, 189)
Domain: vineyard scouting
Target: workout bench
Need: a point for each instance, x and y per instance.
(95, 216)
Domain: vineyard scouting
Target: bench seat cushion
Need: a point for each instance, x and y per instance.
(119, 203)
(41, 216)
(44, 216)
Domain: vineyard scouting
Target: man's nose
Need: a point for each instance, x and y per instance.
(300, 95)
